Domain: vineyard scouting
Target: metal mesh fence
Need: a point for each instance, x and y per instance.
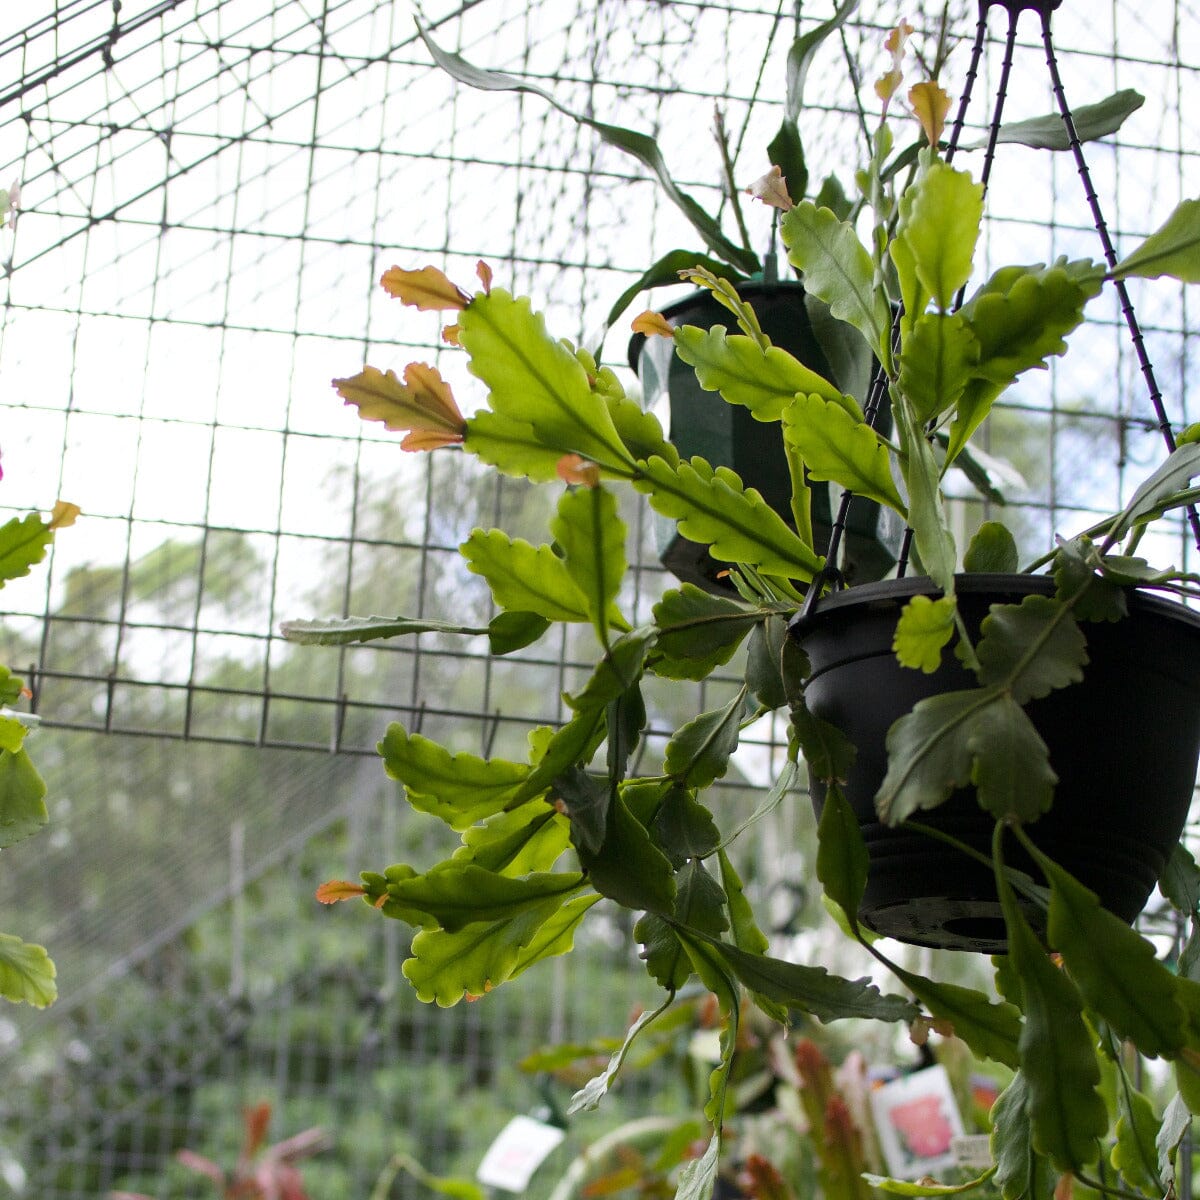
(210, 191)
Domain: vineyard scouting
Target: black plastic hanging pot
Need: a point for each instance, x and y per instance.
(1124, 743)
(702, 423)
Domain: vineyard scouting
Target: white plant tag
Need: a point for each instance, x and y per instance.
(519, 1149)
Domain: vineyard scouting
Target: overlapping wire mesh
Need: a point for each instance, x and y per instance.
(210, 190)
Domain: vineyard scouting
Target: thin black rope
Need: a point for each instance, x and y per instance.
(1110, 257)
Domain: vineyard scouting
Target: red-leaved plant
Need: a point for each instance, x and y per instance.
(260, 1173)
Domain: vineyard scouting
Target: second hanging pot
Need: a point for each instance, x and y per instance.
(1124, 744)
(727, 435)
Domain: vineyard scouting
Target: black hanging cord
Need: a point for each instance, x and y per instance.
(1110, 257)
(830, 573)
(989, 154)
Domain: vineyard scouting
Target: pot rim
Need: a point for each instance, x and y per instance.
(893, 592)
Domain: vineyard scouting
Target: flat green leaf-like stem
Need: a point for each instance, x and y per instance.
(589, 1096)
(467, 788)
(903, 1187)
(764, 380)
(699, 752)
(1067, 1115)
(990, 1028)
(26, 973)
(22, 797)
(535, 379)
(837, 447)
(1115, 968)
(345, 631)
(525, 578)
(712, 506)
(1091, 121)
(1174, 249)
(698, 632)
(837, 268)
(454, 896)
(23, 542)
(812, 989)
(1021, 1172)
(638, 145)
(471, 961)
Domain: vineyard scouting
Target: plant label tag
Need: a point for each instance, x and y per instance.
(917, 1120)
(519, 1149)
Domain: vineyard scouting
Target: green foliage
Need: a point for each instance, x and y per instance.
(534, 379)
(1173, 249)
(1091, 121)
(837, 269)
(836, 446)
(26, 972)
(924, 628)
(459, 788)
(935, 238)
(698, 632)
(713, 506)
(591, 538)
(615, 803)
(992, 549)
(761, 378)
(23, 544)
(1058, 1060)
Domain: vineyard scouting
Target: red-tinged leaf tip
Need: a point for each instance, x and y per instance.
(450, 335)
(426, 289)
(771, 189)
(760, 1179)
(573, 469)
(339, 889)
(485, 276)
(380, 900)
(63, 514)
(652, 324)
(428, 439)
(255, 1119)
(201, 1165)
(918, 1031)
(886, 84)
(930, 103)
(422, 403)
(896, 38)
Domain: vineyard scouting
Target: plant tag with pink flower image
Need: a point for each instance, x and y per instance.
(917, 1119)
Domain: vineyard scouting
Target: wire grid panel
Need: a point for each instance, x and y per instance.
(270, 998)
(211, 190)
(208, 191)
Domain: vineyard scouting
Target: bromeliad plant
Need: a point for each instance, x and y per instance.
(546, 838)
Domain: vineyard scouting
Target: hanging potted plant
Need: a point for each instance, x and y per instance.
(699, 421)
(545, 838)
